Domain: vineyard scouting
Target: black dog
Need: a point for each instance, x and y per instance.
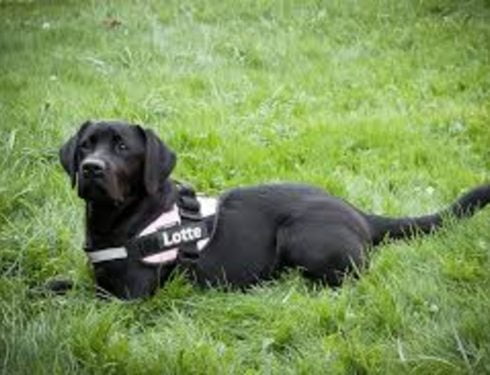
(122, 172)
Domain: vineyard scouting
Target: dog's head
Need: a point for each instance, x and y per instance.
(110, 161)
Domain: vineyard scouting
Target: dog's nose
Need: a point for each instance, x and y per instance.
(93, 168)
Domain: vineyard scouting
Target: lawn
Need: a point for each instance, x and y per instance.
(384, 103)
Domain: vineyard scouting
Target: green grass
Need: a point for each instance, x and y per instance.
(385, 103)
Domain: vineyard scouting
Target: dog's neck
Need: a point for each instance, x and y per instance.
(112, 225)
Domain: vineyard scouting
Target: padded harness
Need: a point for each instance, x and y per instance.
(182, 231)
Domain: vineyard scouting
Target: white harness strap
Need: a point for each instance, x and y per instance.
(107, 254)
(209, 206)
(165, 220)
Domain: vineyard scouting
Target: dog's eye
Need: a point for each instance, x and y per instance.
(121, 146)
(85, 145)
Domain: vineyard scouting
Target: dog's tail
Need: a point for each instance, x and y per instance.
(467, 205)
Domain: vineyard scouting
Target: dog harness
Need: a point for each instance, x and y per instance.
(184, 230)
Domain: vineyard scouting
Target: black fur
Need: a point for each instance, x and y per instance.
(159, 162)
(259, 230)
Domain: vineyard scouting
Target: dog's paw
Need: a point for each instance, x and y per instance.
(59, 286)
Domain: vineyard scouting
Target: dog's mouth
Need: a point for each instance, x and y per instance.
(103, 189)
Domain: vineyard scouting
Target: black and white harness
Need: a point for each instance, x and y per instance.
(184, 230)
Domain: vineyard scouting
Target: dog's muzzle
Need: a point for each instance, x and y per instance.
(93, 168)
(97, 181)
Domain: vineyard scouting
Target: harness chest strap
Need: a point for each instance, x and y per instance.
(171, 239)
(161, 241)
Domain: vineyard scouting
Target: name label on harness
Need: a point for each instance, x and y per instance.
(183, 234)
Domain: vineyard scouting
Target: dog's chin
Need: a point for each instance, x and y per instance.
(97, 192)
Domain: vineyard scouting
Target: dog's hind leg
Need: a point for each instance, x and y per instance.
(323, 252)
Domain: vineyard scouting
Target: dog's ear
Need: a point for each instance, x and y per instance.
(68, 154)
(159, 161)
